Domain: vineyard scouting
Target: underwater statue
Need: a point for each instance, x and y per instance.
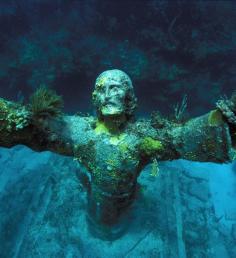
(114, 147)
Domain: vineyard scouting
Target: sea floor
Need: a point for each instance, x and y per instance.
(187, 210)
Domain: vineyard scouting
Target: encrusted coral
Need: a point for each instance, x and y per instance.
(13, 116)
(45, 102)
(157, 120)
(101, 128)
(149, 147)
(228, 108)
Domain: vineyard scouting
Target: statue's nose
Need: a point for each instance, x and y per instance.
(106, 94)
(105, 97)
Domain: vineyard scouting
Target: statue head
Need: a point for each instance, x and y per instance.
(114, 95)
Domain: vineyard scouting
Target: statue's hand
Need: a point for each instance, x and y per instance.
(228, 109)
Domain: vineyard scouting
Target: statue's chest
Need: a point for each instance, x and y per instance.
(116, 163)
(113, 161)
(117, 153)
(109, 158)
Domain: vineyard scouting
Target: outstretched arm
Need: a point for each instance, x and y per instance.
(38, 125)
(211, 137)
(208, 138)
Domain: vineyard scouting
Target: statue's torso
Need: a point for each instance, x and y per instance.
(112, 160)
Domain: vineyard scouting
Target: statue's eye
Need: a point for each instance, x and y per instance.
(114, 88)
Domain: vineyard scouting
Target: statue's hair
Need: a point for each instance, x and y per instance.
(124, 79)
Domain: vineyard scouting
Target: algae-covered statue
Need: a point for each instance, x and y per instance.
(114, 146)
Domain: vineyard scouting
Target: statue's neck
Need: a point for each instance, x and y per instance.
(114, 124)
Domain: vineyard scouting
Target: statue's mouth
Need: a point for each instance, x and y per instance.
(110, 108)
(108, 103)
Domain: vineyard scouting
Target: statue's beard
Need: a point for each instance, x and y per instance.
(111, 109)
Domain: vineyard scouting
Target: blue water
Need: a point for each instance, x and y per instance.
(169, 49)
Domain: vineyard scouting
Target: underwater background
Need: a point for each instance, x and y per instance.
(173, 51)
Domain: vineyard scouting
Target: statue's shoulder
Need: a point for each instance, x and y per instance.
(141, 127)
(146, 127)
(79, 129)
(80, 123)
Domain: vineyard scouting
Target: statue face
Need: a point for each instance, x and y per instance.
(112, 89)
(111, 97)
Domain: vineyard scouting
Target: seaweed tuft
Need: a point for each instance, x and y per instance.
(46, 103)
